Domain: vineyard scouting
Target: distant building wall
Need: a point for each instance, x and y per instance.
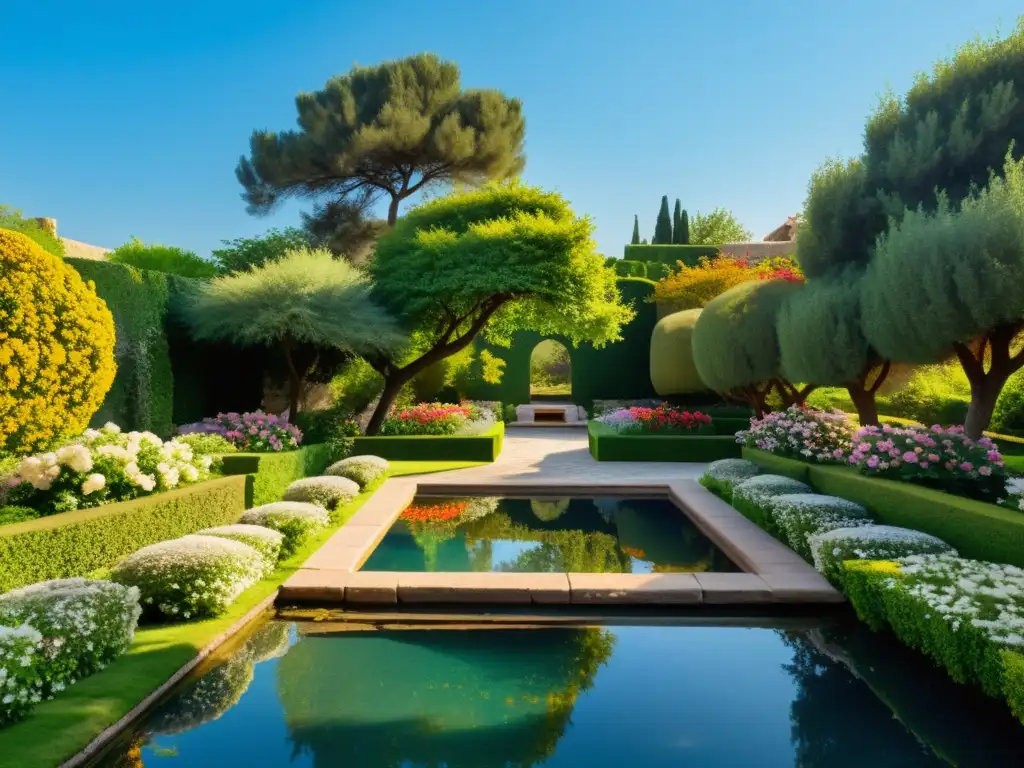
(759, 250)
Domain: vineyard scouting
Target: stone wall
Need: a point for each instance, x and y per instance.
(759, 250)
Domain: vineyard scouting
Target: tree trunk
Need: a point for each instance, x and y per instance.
(864, 402)
(393, 210)
(294, 380)
(986, 385)
(984, 394)
(392, 386)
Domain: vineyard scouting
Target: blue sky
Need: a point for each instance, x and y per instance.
(128, 118)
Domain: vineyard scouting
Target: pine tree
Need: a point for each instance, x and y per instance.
(676, 222)
(663, 227)
(683, 236)
(636, 230)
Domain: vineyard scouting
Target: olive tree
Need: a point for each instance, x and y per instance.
(305, 298)
(821, 340)
(949, 282)
(501, 258)
(736, 347)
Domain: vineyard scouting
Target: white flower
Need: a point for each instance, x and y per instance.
(190, 473)
(93, 483)
(75, 456)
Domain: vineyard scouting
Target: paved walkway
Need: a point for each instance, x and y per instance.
(561, 454)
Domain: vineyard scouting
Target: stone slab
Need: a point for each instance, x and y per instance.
(635, 589)
(809, 587)
(733, 588)
(336, 557)
(306, 584)
(371, 587)
(481, 588)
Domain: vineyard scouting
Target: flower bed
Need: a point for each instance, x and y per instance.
(660, 420)
(801, 433)
(255, 432)
(479, 447)
(77, 543)
(607, 444)
(102, 466)
(438, 419)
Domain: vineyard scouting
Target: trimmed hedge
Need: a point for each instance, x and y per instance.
(77, 543)
(483, 447)
(629, 268)
(608, 445)
(670, 254)
(729, 425)
(976, 529)
(273, 472)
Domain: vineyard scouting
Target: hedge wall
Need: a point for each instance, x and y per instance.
(484, 447)
(978, 530)
(670, 254)
(77, 543)
(608, 445)
(273, 472)
(163, 378)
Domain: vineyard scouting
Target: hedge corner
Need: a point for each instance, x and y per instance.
(268, 474)
(608, 445)
(483, 447)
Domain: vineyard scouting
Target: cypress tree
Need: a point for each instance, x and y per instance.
(677, 216)
(683, 236)
(636, 230)
(663, 227)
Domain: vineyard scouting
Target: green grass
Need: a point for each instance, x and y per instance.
(401, 468)
(552, 389)
(58, 729)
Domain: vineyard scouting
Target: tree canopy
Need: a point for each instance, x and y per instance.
(499, 259)
(635, 240)
(719, 226)
(244, 252)
(307, 297)
(388, 131)
(162, 258)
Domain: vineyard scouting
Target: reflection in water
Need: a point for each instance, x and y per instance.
(566, 697)
(546, 535)
(473, 699)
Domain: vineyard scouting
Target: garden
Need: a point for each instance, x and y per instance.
(179, 434)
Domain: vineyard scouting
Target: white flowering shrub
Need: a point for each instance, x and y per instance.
(362, 470)
(1014, 498)
(204, 699)
(830, 549)
(264, 540)
(85, 624)
(297, 520)
(797, 516)
(751, 496)
(191, 577)
(722, 475)
(21, 673)
(328, 491)
(105, 465)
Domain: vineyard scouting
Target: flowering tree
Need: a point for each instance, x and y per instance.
(307, 297)
(499, 259)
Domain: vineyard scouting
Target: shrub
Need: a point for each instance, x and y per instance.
(21, 673)
(692, 287)
(830, 549)
(661, 420)
(105, 465)
(161, 258)
(326, 491)
(210, 444)
(939, 458)
(264, 540)
(85, 625)
(191, 577)
(366, 471)
(57, 356)
(296, 520)
(255, 432)
(10, 514)
(801, 433)
(751, 496)
(509, 414)
(272, 473)
(672, 368)
(1009, 413)
(795, 517)
(721, 475)
(356, 386)
(1014, 489)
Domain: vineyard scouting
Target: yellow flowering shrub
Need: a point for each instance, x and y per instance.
(56, 347)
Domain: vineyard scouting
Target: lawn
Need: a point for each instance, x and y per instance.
(402, 468)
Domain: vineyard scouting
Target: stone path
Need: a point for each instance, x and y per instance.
(561, 453)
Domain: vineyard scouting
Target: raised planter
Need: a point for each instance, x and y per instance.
(608, 445)
(77, 543)
(482, 447)
(977, 529)
(271, 473)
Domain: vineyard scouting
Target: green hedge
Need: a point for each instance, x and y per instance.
(483, 447)
(729, 425)
(629, 268)
(978, 530)
(669, 254)
(76, 543)
(271, 473)
(608, 445)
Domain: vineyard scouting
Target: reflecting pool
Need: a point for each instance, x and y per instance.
(320, 695)
(546, 536)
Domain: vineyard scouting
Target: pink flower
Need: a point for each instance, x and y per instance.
(967, 466)
(993, 456)
(924, 465)
(873, 462)
(910, 456)
(838, 453)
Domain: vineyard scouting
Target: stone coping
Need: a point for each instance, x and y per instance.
(773, 573)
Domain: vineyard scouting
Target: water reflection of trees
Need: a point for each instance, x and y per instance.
(437, 697)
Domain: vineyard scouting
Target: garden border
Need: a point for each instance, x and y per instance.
(271, 473)
(608, 445)
(482, 447)
(978, 530)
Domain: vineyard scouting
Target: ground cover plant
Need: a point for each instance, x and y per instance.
(101, 466)
(366, 471)
(801, 433)
(722, 475)
(830, 549)
(660, 420)
(254, 432)
(298, 521)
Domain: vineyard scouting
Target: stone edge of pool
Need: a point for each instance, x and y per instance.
(773, 573)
